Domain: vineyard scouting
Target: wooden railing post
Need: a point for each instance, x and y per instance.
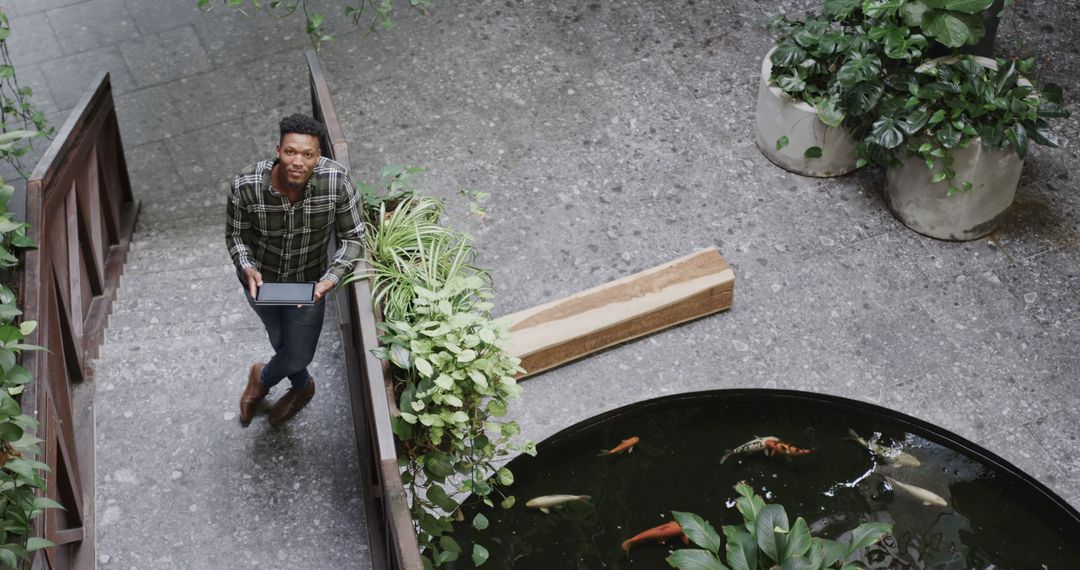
(81, 214)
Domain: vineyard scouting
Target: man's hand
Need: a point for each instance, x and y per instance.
(254, 280)
(322, 288)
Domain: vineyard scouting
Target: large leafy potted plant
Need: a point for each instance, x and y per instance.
(953, 136)
(823, 78)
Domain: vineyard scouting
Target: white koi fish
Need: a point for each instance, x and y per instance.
(754, 445)
(893, 456)
(927, 497)
(548, 502)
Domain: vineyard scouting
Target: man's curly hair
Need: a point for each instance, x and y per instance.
(303, 125)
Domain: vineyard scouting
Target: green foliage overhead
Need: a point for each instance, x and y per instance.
(767, 539)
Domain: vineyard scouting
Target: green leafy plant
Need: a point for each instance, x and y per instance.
(767, 539)
(954, 103)
(451, 373)
(20, 120)
(952, 23)
(377, 13)
(20, 475)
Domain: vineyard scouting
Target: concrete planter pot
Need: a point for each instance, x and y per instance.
(926, 207)
(780, 115)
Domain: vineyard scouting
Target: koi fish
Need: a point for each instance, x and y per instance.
(777, 447)
(548, 502)
(627, 445)
(660, 533)
(927, 497)
(754, 445)
(889, 454)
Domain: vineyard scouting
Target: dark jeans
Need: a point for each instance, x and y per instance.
(294, 334)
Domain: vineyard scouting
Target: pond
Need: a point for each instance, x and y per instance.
(994, 516)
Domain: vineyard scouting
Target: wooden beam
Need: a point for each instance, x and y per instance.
(558, 332)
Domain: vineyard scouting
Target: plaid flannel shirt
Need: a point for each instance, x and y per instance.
(287, 242)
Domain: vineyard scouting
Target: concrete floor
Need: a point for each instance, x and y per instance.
(609, 137)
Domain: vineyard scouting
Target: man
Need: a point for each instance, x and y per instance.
(281, 214)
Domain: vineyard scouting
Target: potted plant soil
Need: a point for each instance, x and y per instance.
(954, 136)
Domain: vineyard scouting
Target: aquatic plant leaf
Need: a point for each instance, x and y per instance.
(479, 554)
(770, 519)
(834, 552)
(694, 559)
(796, 563)
(798, 540)
(742, 549)
(866, 534)
(480, 522)
(749, 504)
(698, 530)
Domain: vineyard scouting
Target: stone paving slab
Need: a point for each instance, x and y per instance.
(91, 25)
(165, 56)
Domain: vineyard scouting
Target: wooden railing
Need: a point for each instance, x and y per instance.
(391, 536)
(81, 214)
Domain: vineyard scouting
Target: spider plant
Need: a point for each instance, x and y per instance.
(408, 249)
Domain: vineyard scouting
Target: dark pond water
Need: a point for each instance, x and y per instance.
(996, 518)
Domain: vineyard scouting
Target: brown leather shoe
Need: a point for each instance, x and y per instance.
(253, 394)
(293, 401)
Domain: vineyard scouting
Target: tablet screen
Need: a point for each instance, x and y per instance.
(286, 294)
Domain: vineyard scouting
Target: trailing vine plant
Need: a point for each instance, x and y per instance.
(767, 539)
(452, 375)
(20, 475)
(376, 13)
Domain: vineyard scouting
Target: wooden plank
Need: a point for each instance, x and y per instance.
(558, 332)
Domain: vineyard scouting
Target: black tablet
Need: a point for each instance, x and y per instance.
(286, 294)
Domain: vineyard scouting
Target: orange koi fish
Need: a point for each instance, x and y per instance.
(776, 447)
(627, 445)
(659, 533)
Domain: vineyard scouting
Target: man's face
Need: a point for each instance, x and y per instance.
(298, 154)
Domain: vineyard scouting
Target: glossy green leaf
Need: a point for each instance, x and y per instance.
(781, 142)
(787, 54)
(742, 548)
(912, 12)
(813, 152)
(1018, 138)
(968, 6)
(693, 559)
(798, 540)
(828, 112)
(1042, 134)
(770, 530)
(886, 133)
(866, 534)
(480, 522)
(437, 495)
(35, 543)
(796, 563)
(953, 29)
(841, 9)
(698, 530)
